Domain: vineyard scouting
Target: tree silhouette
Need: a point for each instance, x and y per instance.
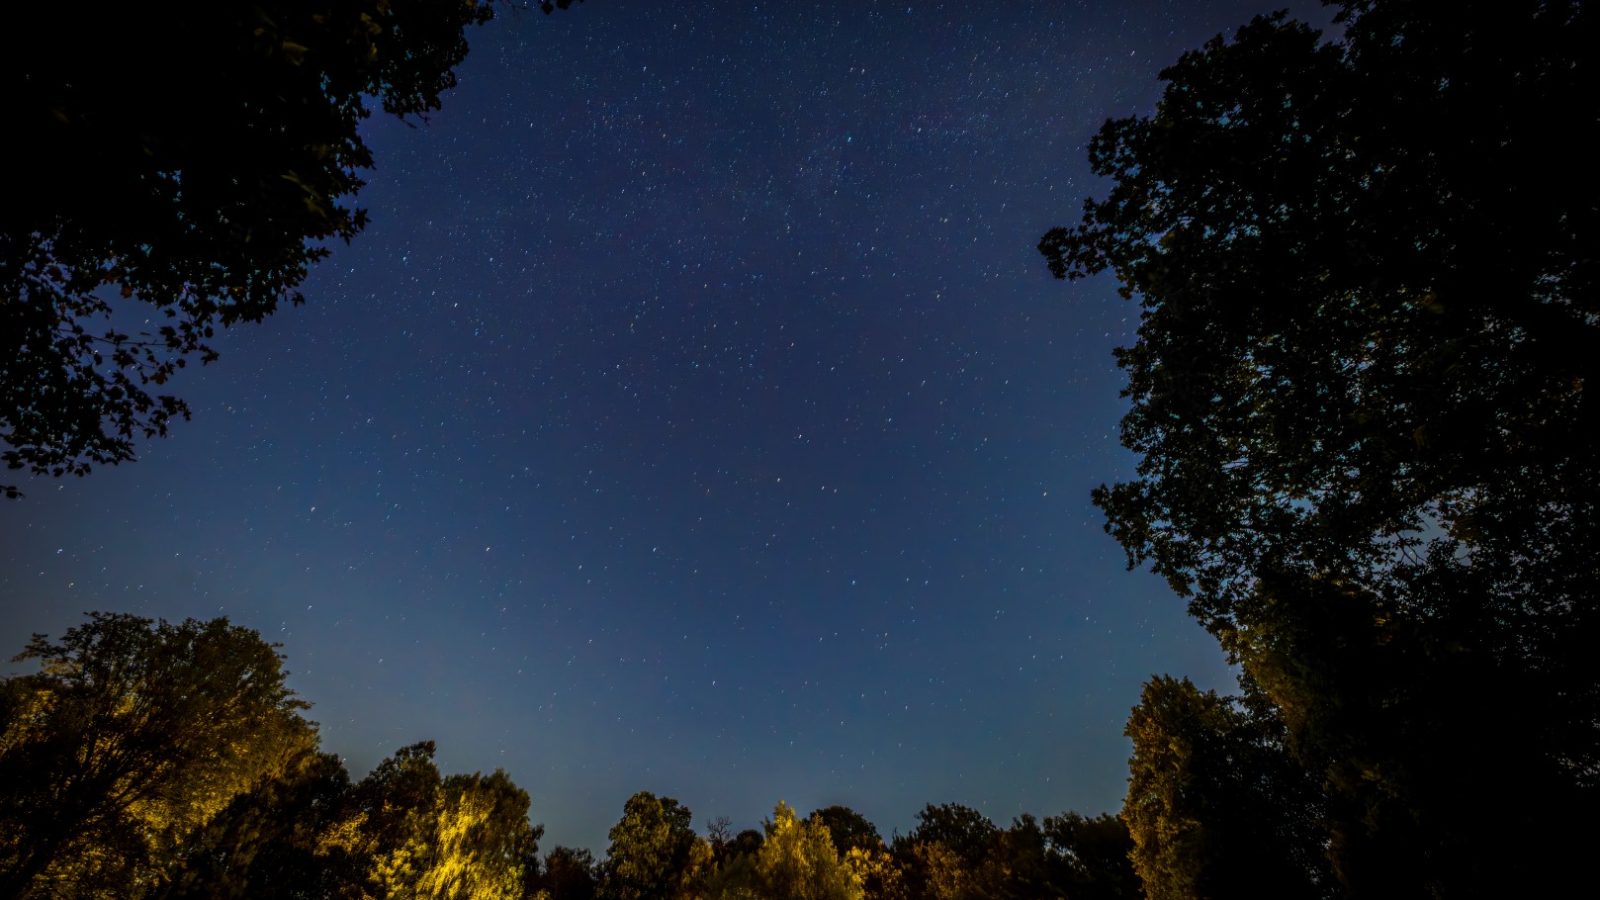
(569, 874)
(1361, 394)
(183, 181)
(1091, 857)
(848, 828)
(966, 832)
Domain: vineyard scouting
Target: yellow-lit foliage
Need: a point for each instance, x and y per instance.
(130, 736)
(944, 877)
(798, 862)
(877, 873)
(461, 838)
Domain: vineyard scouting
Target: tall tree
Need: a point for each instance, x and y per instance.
(1215, 806)
(798, 862)
(651, 847)
(1362, 397)
(185, 163)
(131, 735)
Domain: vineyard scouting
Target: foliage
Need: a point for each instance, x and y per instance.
(877, 872)
(183, 183)
(1091, 858)
(848, 828)
(146, 758)
(569, 874)
(1215, 806)
(966, 832)
(272, 841)
(130, 735)
(798, 862)
(465, 836)
(1360, 394)
(650, 849)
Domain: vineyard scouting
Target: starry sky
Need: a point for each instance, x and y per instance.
(695, 416)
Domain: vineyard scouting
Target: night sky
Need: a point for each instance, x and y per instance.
(695, 416)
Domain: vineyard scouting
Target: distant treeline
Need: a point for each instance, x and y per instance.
(146, 759)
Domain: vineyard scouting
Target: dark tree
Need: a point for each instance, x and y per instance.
(942, 856)
(570, 874)
(180, 165)
(131, 735)
(1091, 857)
(1361, 397)
(966, 832)
(1017, 866)
(747, 842)
(848, 828)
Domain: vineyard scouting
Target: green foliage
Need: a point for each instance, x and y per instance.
(271, 841)
(1215, 807)
(128, 738)
(145, 758)
(1366, 268)
(650, 850)
(798, 862)
(197, 168)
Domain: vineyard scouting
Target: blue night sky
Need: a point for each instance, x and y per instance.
(695, 416)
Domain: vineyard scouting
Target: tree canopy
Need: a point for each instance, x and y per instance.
(651, 849)
(1366, 268)
(1215, 807)
(147, 758)
(185, 164)
(131, 735)
(849, 829)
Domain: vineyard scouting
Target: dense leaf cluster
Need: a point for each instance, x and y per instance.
(181, 167)
(1362, 397)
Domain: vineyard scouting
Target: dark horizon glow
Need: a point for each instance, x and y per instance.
(695, 416)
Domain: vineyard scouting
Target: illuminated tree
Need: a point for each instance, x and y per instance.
(129, 737)
(1215, 806)
(650, 851)
(423, 836)
(878, 873)
(798, 862)
(272, 841)
(932, 870)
